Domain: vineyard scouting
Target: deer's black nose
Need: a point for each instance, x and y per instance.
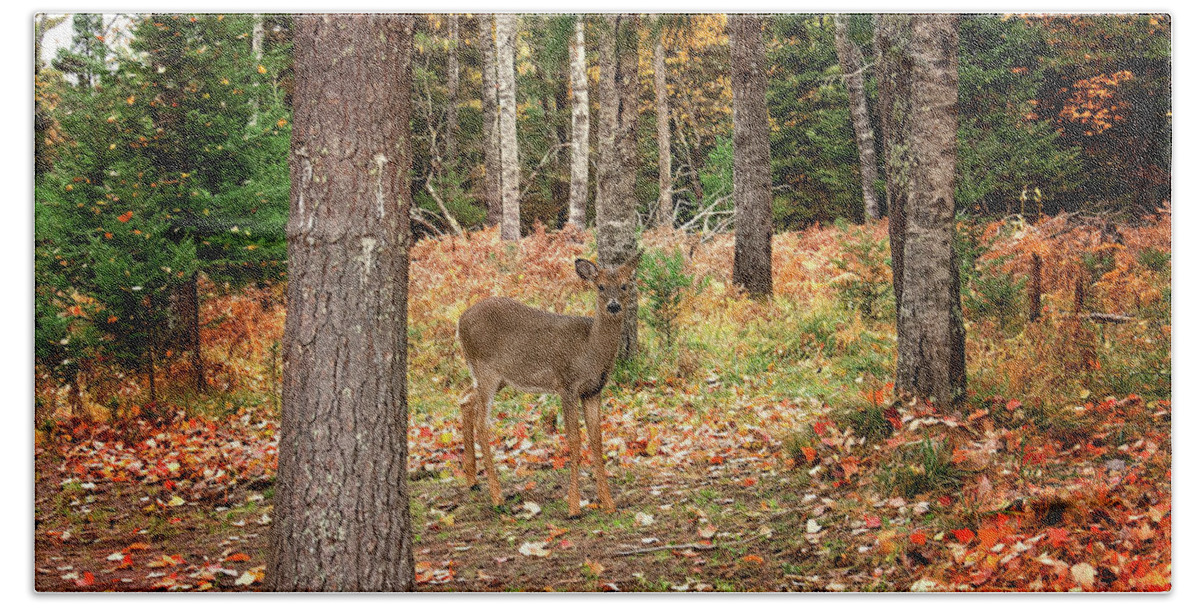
(613, 307)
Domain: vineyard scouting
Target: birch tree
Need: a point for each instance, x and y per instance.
(506, 96)
(580, 117)
(491, 130)
(850, 60)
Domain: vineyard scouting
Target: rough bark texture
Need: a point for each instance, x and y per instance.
(751, 156)
(893, 69)
(616, 213)
(491, 132)
(506, 98)
(452, 95)
(580, 118)
(341, 519)
(851, 61)
(930, 338)
(662, 123)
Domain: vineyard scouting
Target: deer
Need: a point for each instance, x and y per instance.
(506, 343)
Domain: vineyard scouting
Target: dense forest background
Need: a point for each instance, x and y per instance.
(162, 145)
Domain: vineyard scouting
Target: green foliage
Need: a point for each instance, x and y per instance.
(175, 163)
(865, 282)
(1002, 150)
(813, 149)
(988, 290)
(921, 469)
(1156, 260)
(664, 280)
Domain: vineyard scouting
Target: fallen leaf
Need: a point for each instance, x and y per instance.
(643, 519)
(531, 549)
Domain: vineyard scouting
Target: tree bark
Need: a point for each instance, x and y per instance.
(751, 156)
(506, 96)
(851, 61)
(930, 337)
(616, 214)
(341, 505)
(580, 117)
(491, 130)
(452, 95)
(662, 123)
(893, 69)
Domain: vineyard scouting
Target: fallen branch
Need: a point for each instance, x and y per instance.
(1109, 318)
(442, 205)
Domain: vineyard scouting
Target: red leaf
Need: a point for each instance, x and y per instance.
(1058, 536)
(964, 535)
(917, 538)
(873, 521)
(86, 580)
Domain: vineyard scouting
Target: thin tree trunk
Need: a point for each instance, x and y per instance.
(751, 156)
(491, 130)
(341, 519)
(579, 128)
(616, 216)
(893, 69)
(192, 292)
(662, 123)
(506, 96)
(930, 349)
(452, 95)
(256, 46)
(851, 61)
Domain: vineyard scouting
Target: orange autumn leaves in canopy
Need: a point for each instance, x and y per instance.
(1094, 103)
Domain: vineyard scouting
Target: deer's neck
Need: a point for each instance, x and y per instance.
(605, 338)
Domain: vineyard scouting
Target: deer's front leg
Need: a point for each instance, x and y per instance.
(570, 403)
(591, 410)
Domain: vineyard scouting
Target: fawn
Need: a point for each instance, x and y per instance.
(507, 343)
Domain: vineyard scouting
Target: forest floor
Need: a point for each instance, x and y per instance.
(762, 452)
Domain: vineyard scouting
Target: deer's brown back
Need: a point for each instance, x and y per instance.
(530, 349)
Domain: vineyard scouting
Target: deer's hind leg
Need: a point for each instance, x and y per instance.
(485, 389)
(467, 405)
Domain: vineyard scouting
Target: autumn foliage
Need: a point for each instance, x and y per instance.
(1056, 474)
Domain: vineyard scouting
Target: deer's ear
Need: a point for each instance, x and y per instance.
(586, 270)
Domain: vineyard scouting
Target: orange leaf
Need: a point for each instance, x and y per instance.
(752, 559)
(809, 454)
(917, 538)
(238, 557)
(125, 217)
(86, 580)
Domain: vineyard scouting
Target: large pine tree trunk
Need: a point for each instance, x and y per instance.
(616, 216)
(662, 124)
(580, 118)
(506, 96)
(491, 130)
(922, 57)
(751, 156)
(452, 95)
(851, 61)
(341, 504)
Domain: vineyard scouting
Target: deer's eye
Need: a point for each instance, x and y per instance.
(625, 287)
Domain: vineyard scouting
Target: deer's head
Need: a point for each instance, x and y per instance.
(615, 289)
